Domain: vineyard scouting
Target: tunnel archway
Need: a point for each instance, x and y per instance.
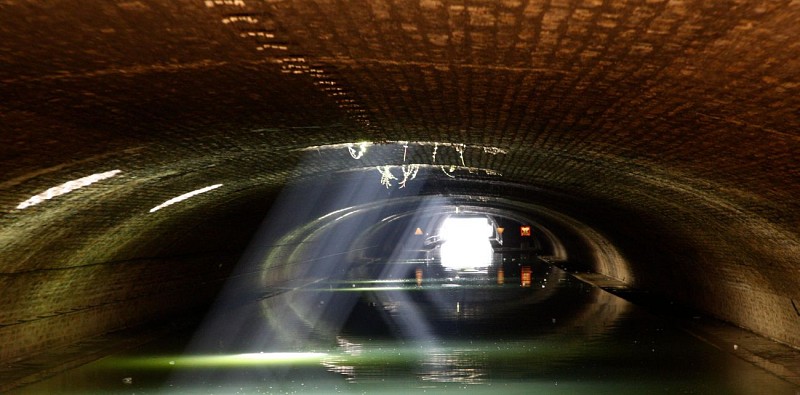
(144, 144)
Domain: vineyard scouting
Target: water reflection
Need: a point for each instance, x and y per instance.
(450, 334)
(453, 366)
(438, 332)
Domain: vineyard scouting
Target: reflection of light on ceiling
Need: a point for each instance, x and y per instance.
(358, 150)
(459, 146)
(466, 242)
(362, 149)
(184, 197)
(66, 187)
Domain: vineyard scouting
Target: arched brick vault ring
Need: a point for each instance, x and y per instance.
(668, 128)
(343, 241)
(308, 243)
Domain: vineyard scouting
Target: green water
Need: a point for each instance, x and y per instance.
(459, 335)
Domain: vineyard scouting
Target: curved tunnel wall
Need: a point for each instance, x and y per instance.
(669, 129)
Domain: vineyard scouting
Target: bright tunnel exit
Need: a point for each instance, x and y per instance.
(466, 242)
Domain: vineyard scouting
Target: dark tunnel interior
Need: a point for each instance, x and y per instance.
(168, 160)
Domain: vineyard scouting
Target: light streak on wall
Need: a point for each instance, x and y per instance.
(66, 187)
(184, 197)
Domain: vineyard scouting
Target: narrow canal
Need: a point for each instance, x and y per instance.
(469, 332)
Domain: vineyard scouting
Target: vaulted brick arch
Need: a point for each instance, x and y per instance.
(666, 129)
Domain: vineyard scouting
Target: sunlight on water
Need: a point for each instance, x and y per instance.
(568, 338)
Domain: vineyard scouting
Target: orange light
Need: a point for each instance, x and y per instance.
(526, 276)
(418, 231)
(500, 230)
(501, 276)
(525, 230)
(419, 277)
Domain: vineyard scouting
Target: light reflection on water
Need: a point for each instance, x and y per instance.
(387, 337)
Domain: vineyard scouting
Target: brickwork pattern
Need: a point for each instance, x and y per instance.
(671, 127)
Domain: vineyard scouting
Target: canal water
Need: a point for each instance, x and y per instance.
(427, 332)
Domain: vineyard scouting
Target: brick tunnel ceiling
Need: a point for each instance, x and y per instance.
(670, 127)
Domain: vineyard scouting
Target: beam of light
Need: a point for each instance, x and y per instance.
(372, 354)
(184, 197)
(308, 236)
(226, 360)
(66, 187)
(466, 243)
